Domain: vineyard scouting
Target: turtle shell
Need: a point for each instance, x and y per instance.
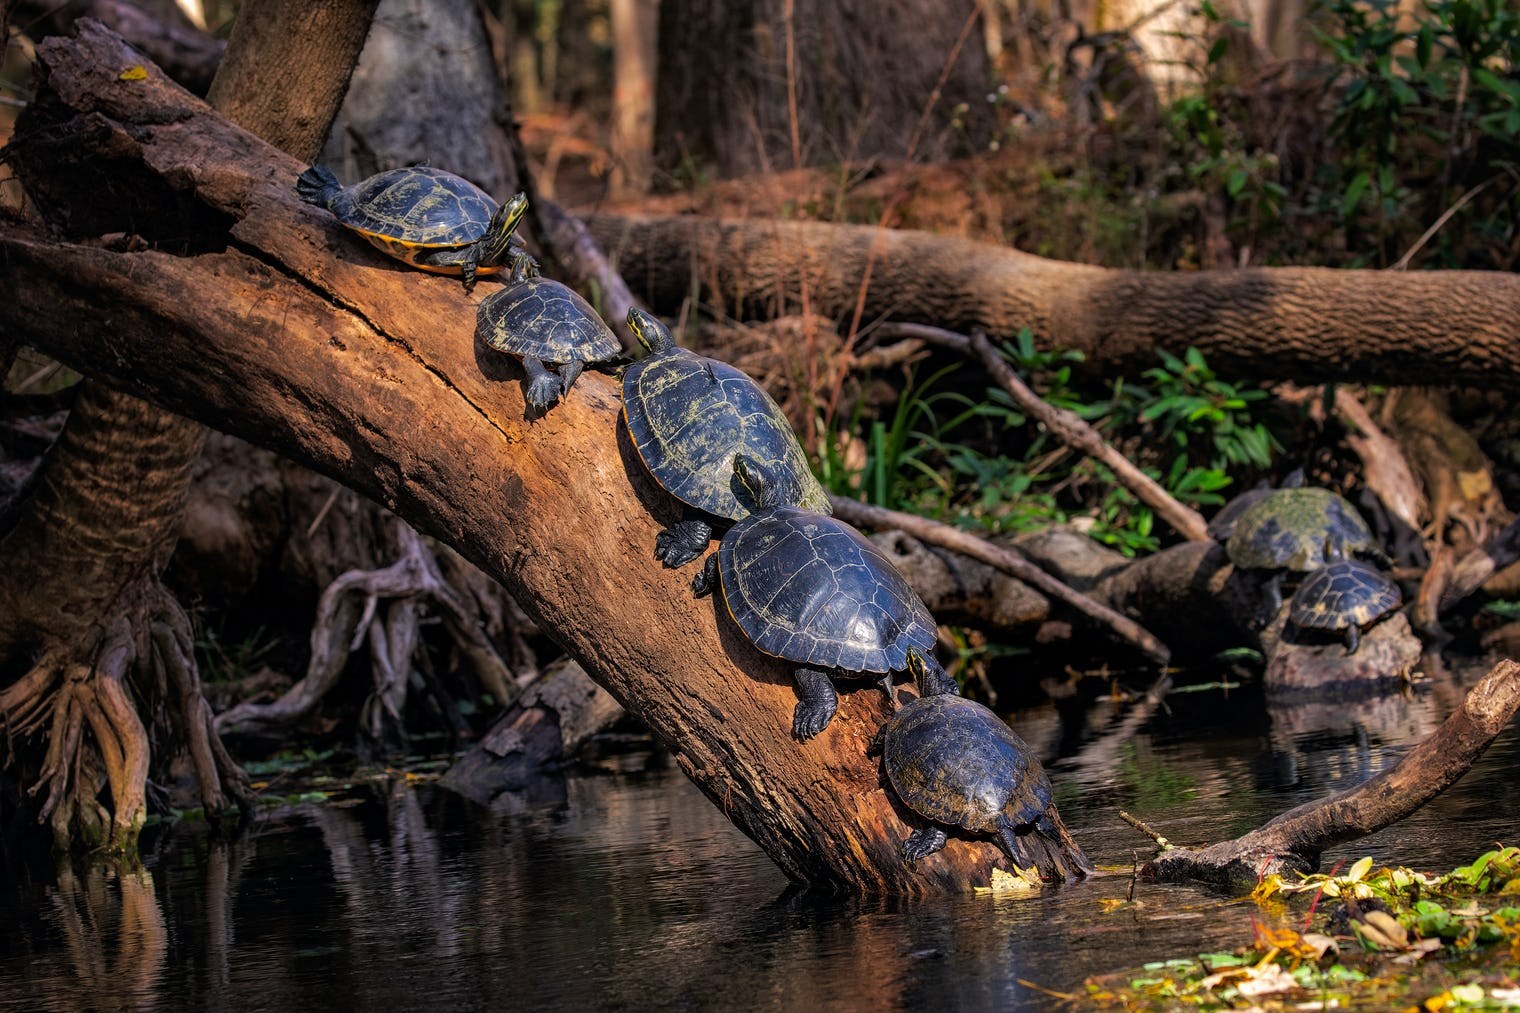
(417, 206)
(954, 761)
(810, 589)
(547, 320)
(688, 415)
(1342, 594)
(1297, 529)
(1222, 525)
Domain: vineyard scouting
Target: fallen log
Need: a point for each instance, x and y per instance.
(278, 326)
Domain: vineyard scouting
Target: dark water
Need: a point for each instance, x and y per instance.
(630, 891)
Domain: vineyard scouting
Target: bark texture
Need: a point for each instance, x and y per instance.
(290, 333)
(1300, 323)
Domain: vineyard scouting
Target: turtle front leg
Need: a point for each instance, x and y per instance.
(1353, 639)
(1271, 598)
(568, 374)
(682, 542)
(890, 689)
(543, 386)
(819, 702)
(706, 582)
(923, 843)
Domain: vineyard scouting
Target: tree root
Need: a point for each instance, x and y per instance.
(63, 698)
(349, 615)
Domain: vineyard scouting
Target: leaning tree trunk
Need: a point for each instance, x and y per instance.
(85, 555)
(1300, 323)
(289, 332)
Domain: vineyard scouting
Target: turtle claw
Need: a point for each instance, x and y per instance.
(923, 843)
(682, 542)
(809, 721)
(818, 704)
(543, 391)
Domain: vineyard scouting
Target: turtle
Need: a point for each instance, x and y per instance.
(541, 320)
(426, 217)
(687, 417)
(1222, 524)
(1346, 595)
(1297, 530)
(957, 764)
(810, 589)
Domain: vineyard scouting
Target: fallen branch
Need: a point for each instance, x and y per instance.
(1294, 841)
(1469, 572)
(1065, 426)
(947, 537)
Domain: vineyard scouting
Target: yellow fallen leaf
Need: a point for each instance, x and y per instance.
(1006, 882)
(1389, 926)
(137, 73)
(1360, 869)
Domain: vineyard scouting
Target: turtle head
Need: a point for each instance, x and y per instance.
(761, 486)
(652, 334)
(929, 676)
(496, 245)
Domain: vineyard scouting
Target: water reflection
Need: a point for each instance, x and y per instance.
(632, 892)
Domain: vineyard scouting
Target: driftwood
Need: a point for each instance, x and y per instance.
(1294, 841)
(283, 329)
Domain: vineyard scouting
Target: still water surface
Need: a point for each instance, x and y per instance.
(630, 891)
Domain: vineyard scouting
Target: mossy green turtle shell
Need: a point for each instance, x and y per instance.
(1343, 594)
(688, 415)
(547, 320)
(1297, 529)
(810, 589)
(953, 761)
(417, 206)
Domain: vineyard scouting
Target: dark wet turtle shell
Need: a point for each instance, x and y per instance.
(1297, 529)
(810, 589)
(1342, 594)
(953, 761)
(688, 415)
(542, 318)
(408, 211)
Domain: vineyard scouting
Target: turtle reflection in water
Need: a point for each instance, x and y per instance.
(1347, 596)
(540, 321)
(810, 589)
(687, 417)
(428, 218)
(958, 765)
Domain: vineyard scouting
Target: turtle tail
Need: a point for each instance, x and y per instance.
(318, 186)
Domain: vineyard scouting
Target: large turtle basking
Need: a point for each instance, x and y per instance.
(959, 765)
(1347, 595)
(1297, 530)
(540, 321)
(810, 589)
(688, 416)
(431, 219)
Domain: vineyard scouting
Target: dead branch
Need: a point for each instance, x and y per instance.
(1009, 562)
(1295, 840)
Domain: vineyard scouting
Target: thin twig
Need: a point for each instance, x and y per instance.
(947, 537)
(1439, 223)
(1140, 825)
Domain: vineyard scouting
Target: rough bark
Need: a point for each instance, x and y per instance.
(425, 89)
(1301, 323)
(1294, 841)
(287, 331)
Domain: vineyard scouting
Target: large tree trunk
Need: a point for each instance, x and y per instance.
(291, 333)
(765, 84)
(1300, 323)
(89, 548)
